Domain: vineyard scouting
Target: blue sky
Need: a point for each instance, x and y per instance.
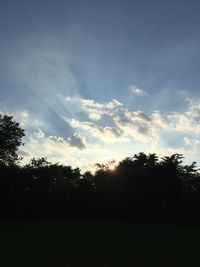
(96, 80)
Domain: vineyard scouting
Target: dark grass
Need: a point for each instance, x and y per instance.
(68, 244)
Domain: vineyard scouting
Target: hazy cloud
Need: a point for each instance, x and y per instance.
(39, 134)
(137, 90)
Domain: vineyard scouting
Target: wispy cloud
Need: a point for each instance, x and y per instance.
(138, 91)
(93, 109)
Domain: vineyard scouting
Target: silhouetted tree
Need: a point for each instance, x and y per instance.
(142, 186)
(10, 139)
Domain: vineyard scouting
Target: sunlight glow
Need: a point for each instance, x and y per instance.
(112, 168)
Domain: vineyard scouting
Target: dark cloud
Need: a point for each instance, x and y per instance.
(144, 117)
(73, 141)
(76, 141)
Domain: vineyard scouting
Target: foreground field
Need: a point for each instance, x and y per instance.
(68, 244)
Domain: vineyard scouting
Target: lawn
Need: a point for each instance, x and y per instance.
(68, 244)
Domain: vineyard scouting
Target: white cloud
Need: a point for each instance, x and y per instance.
(94, 115)
(22, 116)
(113, 104)
(106, 134)
(93, 109)
(122, 132)
(90, 103)
(137, 90)
(39, 134)
(135, 126)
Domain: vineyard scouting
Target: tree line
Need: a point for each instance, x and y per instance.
(142, 187)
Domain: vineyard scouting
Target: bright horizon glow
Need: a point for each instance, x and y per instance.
(112, 168)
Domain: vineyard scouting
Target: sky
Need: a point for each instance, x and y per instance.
(91, 81)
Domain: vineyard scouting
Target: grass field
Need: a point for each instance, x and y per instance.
(68, 244)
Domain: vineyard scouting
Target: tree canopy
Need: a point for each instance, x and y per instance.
(143, 185)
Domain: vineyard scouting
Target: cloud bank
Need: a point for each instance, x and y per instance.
(114, 132)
